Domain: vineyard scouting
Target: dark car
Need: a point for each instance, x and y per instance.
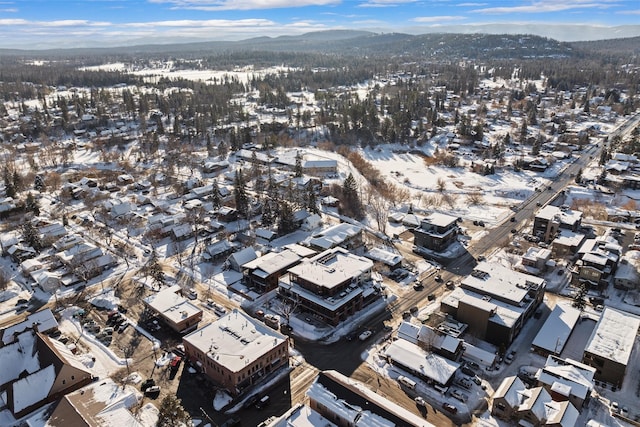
(231, 422)
(147, 383)
(22, 301)
(512, 219)
(418, 286)
(251, 400)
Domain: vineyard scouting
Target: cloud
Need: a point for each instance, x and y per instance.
(547, 6)
(9, 10)
(445, 18)
(385, 3)
(215, 5)
(471, 4)
(629, 12)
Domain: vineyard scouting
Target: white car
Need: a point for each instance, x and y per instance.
(365, 335)
(420, 401)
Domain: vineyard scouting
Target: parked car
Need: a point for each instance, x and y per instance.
(154, 389)
(123, 326)
(191, 294)
(420, 401)
(450, 284)
(365, 335)
(466, 383)
(509, 358)
(449, 408)
(418, 287)
(263, 402)
(459, 395)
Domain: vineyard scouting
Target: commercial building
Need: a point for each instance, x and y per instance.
(237, 351)
(610, 345)
(495, 302)
(331, 286)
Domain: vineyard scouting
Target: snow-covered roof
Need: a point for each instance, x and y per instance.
(614, 335)
(564, 216)
(428, 365)
(44, 320)
(332, 268)
(273, 262)
(440, 220)
(534, 400)
(384, 256)
(561, 414)
(334, 236)
(510, 389)
(33, 388)
(102, 403)
(505, 313)
(577, 377)
(235, 340)
(172, 305)
(500, 282)
(242, 257)
(556, 330)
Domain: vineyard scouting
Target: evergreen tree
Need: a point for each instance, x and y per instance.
(171, 413)
(579, 176)
(286, 220)
(351, 200)
(579, 300)
(32, 205)
(312, 201)
(523, 131)
(31, 235)
(240, 194)
(297, 170)
(209, 146)
(268, 215)
(153, 269)
(223, 150)
(9, 189)
(216, 200)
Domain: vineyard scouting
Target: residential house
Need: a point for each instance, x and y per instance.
(238, 259)
(342, 235)
(566, 379)
(512, 401)
(432, 339)
(597, 262)
(555, 332)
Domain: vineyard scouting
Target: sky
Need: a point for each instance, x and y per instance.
(41, 24)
